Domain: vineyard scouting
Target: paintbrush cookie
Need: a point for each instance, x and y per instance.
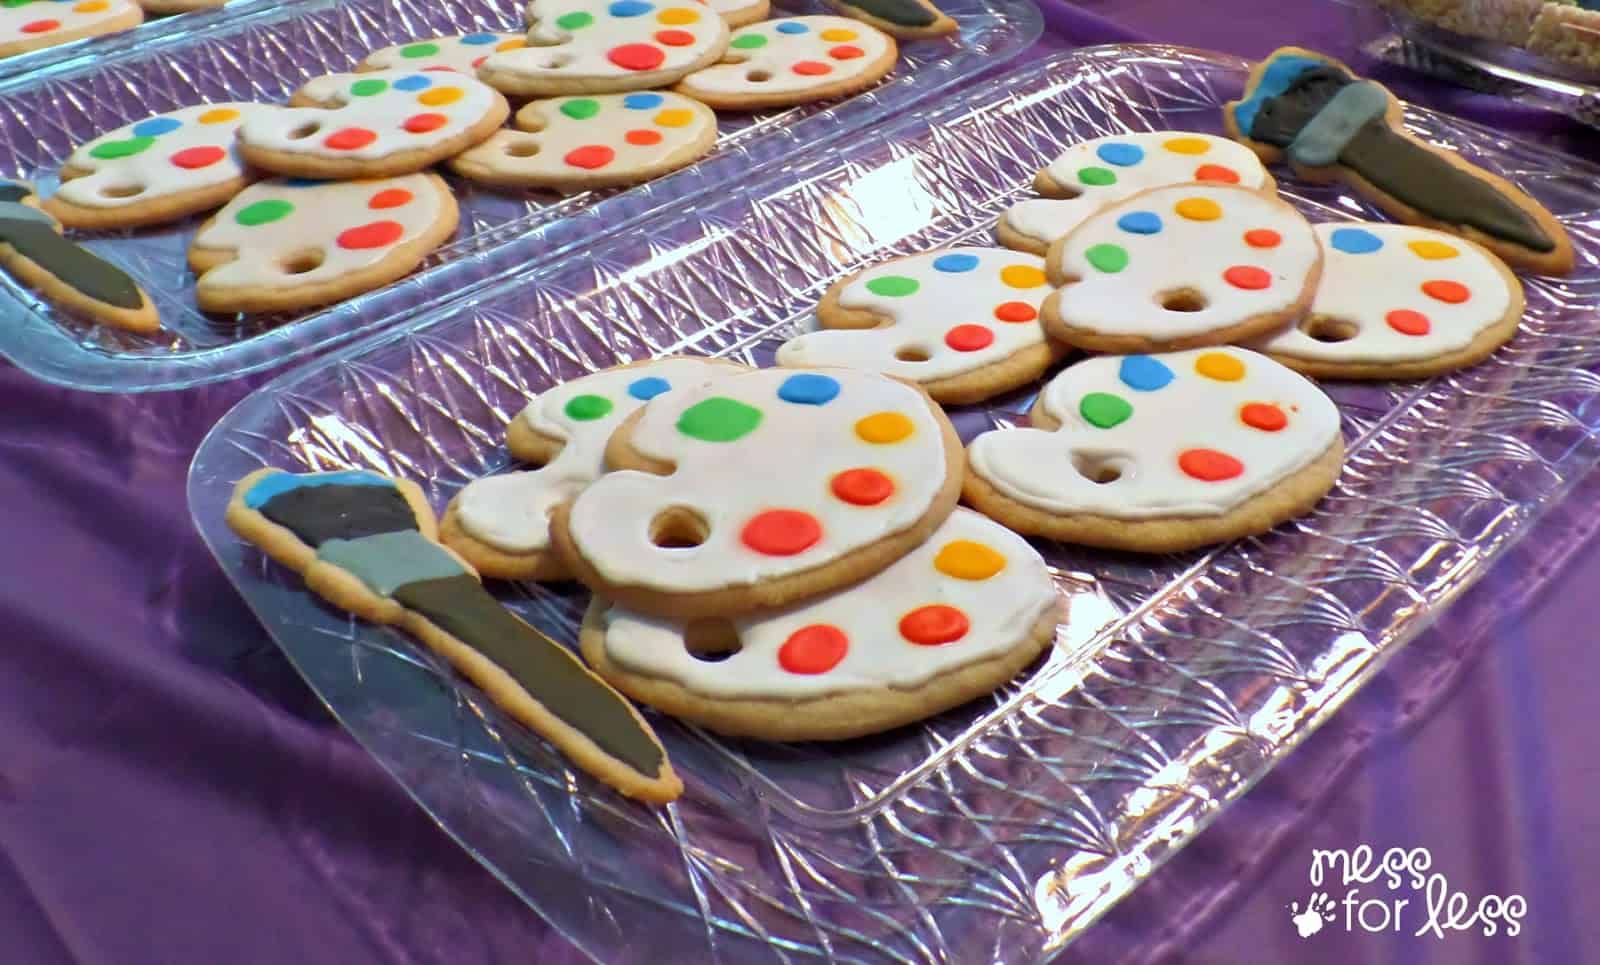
(594, 141)
(1093, 174)
(906, 19)
(285, 244)
(463, 54)
(956, 618)
(963, 323)
(31, 24)
(1181, 266)
(761, 489)
(1161, 453)
(500, 524)
(376, 124)
(795, 60)
(1397, 301)
(606, 46)
(366, 543)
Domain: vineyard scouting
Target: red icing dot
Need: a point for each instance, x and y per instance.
(811, 68)
(1446, 291)
(423, 123)
(643, 138)
(1209, 465)
(1407, 322)
(1248, 277)
(674, 38)
(198, 157)
(933, 625)
(390, 198)
(1015, 312)
(590, 156)
(1216, 172)
(376, 234)
(781, 532)
(452, 70)
(1264, 416)
(1262, 238)
(817, 648)
(846, 52)
(40, 26)
(636, 56)
(350, 138)
(862, 487)
(475, 64)
(968, 338)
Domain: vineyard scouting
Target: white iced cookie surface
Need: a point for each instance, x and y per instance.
(793, 54)
(612, 38)
(35, 21)
(463, 53)
(167, 154)
(973, 591)
(1193, 433)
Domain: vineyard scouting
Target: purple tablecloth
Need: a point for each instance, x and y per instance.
(170, 792)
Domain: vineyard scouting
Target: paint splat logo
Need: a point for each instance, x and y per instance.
(1402, 895)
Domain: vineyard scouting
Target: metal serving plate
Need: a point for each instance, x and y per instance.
(998, 831)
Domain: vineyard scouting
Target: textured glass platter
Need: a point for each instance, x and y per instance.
(265, 58)
(1000, 830)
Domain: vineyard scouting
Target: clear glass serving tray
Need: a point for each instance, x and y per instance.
(266, 57)
(998, 831)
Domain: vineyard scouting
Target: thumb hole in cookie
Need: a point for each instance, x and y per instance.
(758, 76)
(1099, 467)
(1329, 330)
(556, 61)
(912, 353)
(713, 639)
(300, 262)
(122, 190)
(1182, 300)
(678, 527)
(305, 130)
(522, 148)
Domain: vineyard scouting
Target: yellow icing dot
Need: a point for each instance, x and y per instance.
(884, 427)
(677, 117)
(1199, 209)
(677, 16)
(1433, 250)
(221, 115)
(1022, 276)
(91, 6)
(516, 43)
(1187, 145)
(966, 560)
(440, 96)
(838, 35)
(1219, 366)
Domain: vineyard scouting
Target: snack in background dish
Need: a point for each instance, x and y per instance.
(1508, 21)
(1567, 33)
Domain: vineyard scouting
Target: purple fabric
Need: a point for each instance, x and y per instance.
(171, 792)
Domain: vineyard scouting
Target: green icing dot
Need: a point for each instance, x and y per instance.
(581, 109)
(8, 4)
(893, 286)
(366, 88)
(749, 42)
(1107, 258)
(719, 419)
(1098, 177)
(572, 21)
(419, 50)
(1104, 410)
(115, 149)
(263, 212)
(587, 408)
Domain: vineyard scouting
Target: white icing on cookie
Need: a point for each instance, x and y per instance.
(348, 224)
(1107, 169)
(793, 54)
(960, 309)
(1244, 254)
(782, 485)
(511, 512)
(463, 53)
(577, 39)
(1409, 292)
(1194, 433)
(167, 154)
(374, 115)
(974, 585)
(35, 21)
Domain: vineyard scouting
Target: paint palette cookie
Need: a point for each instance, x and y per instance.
(376, 124)
(155, 170)
(463, 53)
(594, 141)
(1161, 453)
(906, 19)
(1181, 266)
(31, 24)
(1399, 302)
(606, 46)
(794, 60)
(1102, 171)
(500, 524)
(285, 243)
(963, 323)
(761, 489)
(737, 13)
(953, 620)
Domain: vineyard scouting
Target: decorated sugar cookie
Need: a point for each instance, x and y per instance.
(795, 60)
(1098, 172)
(737, 13)
(605, 46)
(1181, 266)
(463, 54)
(761, 489)
(1399, 302)
(594, 141)
(31, 24)
(155, 170)
(376, 124)
(962, 322)
(500, 524)
(1161, 453)
(285, 243)
(953, 620)
(906, 19)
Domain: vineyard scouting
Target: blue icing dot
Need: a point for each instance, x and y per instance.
(648, 387)
(413, 82)
(790, 27)
(1140, 222)
(807, 388)
(265, 489)
(630, 8)
(642, 102)
(1144, 373)
(156, 126)
(477, 40)
(1120, 154)
(955, 263)
(1356, 241)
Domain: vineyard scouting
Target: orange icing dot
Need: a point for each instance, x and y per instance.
(781, 532)
(813, 649)
(1264, 416)
(966, 560)
(1209, 465)
(1452, 292)
(862, 487)
(882, 428)
(933, 625)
